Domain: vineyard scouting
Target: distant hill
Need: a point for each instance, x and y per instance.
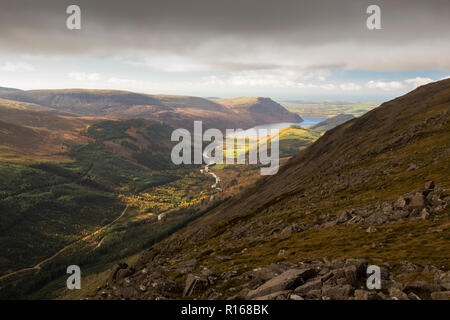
(332, 122)
(31, 136)
(263, 110)
(27, 135)
(178, 111)
(186, 102)
(84, 102)
(9, 90)
(20, 105)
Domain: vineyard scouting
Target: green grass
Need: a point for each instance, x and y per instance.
(44, 211)
(328, 109)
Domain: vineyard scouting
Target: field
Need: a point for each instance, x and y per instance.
(328, 109)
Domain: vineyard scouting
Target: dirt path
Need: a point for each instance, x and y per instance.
(39, 265)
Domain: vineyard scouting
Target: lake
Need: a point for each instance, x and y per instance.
(307, 122)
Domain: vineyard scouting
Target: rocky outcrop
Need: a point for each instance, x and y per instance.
(195, 283)
(422, 204)
(319, 279)
(285, 281)
(322, 279)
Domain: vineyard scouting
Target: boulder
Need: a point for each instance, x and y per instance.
(442, 295)
(279, 295)
(442, 279)
(397, 294)
(123, 273)
(420, 287)
(327, 276)
(366, 295)
(355, 220)
(425, 215)
(387, 284)
(314, 294)
(144, 258)
(371, 229)
(417, 201)
(341, 292)
(286, 281)
(400, 214)
(385, 274)
(343, 216)
(413, 296)
(241, 295)
(360, 264)
(308, 286)
(429, 185)
(116, 268)
(291, 229)
(408, 267)
(387, 208)
(187, 266)
(378, 217)
(261, 275)
(400, 203)
(129, 293)
(336, 263)
(195, 283)
(351, 274)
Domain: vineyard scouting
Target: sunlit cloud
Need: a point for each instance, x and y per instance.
(82, 76)
(350, 86)
(418, 81)
(386, 86)
(16, 67)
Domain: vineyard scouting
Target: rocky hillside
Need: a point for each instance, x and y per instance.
(373, 190)
(178, 111)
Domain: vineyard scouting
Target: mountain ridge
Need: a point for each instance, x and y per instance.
(175, 110)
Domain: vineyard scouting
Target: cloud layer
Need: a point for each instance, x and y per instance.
(196, 35)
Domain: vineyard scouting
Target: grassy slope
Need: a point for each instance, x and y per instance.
(294, 139)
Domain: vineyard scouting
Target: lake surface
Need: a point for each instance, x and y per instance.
(307, 122)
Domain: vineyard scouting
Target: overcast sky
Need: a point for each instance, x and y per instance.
(287, 49)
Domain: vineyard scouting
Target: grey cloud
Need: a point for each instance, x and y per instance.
(233, 66)
(244, 34)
